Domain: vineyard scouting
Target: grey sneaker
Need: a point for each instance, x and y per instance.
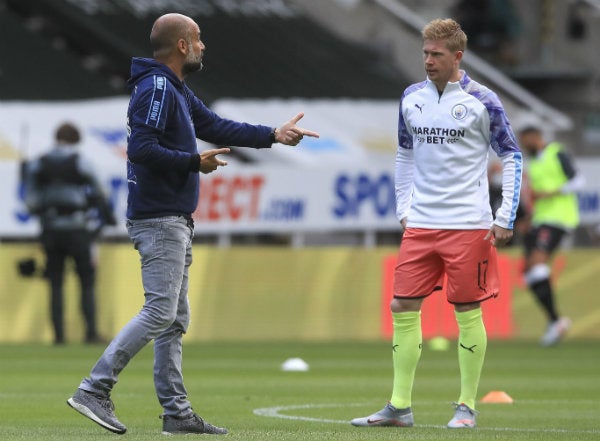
(556, 331)
(388, 416)
(464, 417)
(98, 409)
(191, 424)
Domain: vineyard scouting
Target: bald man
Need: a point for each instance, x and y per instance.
(164, 119)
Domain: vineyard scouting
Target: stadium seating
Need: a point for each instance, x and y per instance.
(249, 53)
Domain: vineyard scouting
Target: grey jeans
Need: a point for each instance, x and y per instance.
(165, 248)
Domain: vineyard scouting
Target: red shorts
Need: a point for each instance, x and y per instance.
(464, 256)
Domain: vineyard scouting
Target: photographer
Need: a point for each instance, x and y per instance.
(62, 190)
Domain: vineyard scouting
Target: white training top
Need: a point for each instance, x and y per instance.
(442, 158)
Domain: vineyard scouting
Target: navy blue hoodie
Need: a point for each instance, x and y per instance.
(164, 119)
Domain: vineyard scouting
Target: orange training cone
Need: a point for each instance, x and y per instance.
(497, 396)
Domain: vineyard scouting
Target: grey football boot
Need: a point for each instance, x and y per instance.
(388, 416)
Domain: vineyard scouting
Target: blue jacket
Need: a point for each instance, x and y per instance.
(164, 119)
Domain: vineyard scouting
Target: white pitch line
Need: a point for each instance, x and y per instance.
(274, 412)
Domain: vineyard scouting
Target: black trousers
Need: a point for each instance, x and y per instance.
(77, 245)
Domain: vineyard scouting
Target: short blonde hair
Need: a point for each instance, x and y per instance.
(448, 30)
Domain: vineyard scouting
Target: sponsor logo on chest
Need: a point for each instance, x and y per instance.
(439, 130)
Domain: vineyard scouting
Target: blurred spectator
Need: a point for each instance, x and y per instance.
(63, 191)
(492, 27)
(553, 181)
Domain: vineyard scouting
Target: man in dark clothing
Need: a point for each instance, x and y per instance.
(164, 120)
(62, 189)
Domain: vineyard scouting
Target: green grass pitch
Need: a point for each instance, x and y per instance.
(240, 386)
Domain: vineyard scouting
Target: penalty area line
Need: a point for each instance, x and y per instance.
(275, 412)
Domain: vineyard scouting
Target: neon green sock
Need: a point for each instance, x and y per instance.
(407, 343)
(472, 343)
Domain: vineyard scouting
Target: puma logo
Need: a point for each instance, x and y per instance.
(470, 349)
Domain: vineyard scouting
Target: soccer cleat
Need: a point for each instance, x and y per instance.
(556, 331)
(464, 417)
(98, 409)
(190, 424)
(388, 416)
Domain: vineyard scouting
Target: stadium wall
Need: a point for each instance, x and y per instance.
(270, 293)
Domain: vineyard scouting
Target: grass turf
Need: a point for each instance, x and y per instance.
(556, 392)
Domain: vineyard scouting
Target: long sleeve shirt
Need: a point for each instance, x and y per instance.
(441, 162)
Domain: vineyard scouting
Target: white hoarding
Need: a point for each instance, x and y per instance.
(342, 181)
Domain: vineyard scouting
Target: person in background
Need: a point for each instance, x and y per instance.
(553, 181)
(164, 119)
(61, 188)
(446, 127)
(522, 219)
